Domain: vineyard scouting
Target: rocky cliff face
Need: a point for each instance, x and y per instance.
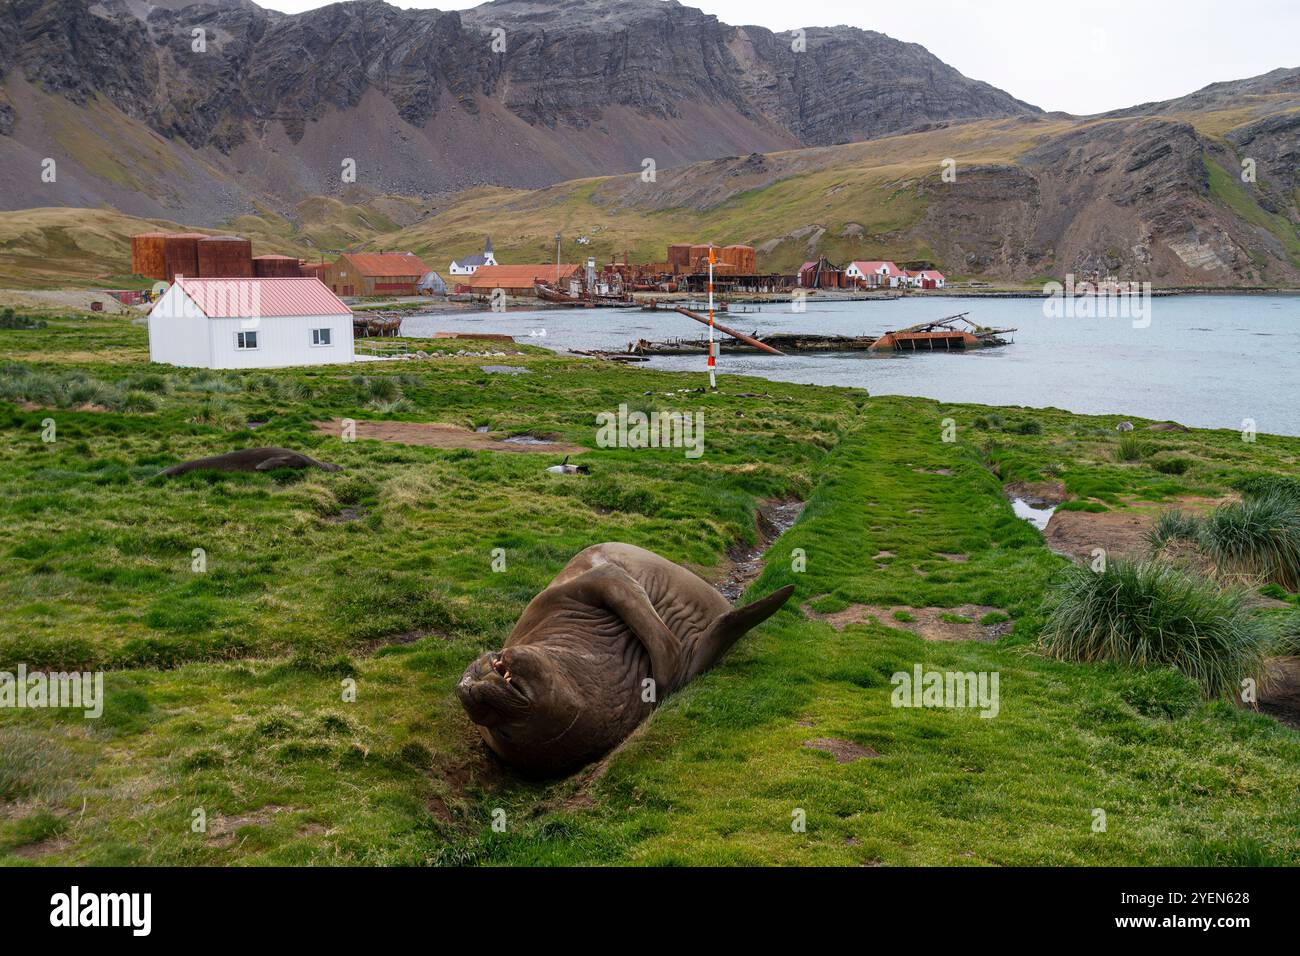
(625, 79)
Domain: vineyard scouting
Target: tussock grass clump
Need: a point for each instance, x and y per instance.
(1132, 447)
(1258, 537)
(371, 390)
(1172, 466)
(150, 382)
(1286, 640)
(220, 413)
(214, 383)
(1152, 614)
(57, 389)
(137, 401)
(11, 320)
(1173, 526)
(1026, 426)
(278, 387)
(1269, 486)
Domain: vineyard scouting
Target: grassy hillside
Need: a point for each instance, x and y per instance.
(1002, 219)
(225, 688)
(57, 247)
(848, 202)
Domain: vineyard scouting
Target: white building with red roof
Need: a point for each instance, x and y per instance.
(886, 272)
(250, 323)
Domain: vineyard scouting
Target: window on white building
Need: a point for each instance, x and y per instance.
(245, 340)
(320, 336)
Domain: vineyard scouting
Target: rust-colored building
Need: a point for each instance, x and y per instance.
(276, 267)
(515, 280)
(149, 255)
(693, 258)
(224, 257)
(375, 273)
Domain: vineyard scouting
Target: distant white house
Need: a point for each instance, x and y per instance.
(468, 265)
(923, 279)
(876, 272)
(250, 323)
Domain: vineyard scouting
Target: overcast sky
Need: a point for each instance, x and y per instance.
(1081, 58)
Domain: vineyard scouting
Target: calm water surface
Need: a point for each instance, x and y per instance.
(1208, 361)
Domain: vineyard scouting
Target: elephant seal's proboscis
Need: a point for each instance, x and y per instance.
(619, 629)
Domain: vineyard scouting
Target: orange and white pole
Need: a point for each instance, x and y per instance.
(713, 381)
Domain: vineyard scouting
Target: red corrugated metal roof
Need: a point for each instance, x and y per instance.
(513, 277)
(386, 263)
(262, 298)
(874, 265)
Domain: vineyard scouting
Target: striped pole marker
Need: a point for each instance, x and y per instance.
(713, 381)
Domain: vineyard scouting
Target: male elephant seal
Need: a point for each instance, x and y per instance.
(251, 459)
(574, 676)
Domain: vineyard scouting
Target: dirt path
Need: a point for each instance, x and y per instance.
(438, 435)
(1076, 534)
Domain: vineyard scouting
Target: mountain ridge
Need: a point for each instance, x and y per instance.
(582, 87)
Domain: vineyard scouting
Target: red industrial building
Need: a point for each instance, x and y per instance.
(375, 273)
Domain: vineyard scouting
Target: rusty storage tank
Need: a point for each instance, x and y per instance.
(276, 267)
(225, 257)
(149, 255)
(679, 257)
(182, 252)
(700, 251)
(743, 257)
(311, 270)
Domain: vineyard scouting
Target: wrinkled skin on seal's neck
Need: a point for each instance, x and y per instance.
(554, 698)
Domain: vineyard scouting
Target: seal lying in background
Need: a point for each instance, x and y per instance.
(572, 679)
(251, 459)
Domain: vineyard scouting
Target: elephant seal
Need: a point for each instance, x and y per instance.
(251, 459)
(574, 677)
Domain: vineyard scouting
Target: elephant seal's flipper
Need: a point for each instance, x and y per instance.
(277, 461)
(729, 628)
(610, 585)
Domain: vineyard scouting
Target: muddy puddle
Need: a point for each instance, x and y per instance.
(1036, 513)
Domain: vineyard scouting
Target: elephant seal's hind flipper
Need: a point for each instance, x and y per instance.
(726, 630)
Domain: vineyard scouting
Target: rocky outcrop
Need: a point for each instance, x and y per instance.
(624, 67)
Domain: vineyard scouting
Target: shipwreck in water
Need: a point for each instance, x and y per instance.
(954, 332)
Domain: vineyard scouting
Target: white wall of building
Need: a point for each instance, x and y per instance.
(282, 341)
(178, 333)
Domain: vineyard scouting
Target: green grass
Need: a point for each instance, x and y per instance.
(1227, 189)
(1153, 614)
(226, 689)
(1132, 447)
(1173, 526)
(1258, 537)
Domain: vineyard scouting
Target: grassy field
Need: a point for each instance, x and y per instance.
(227, 689)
